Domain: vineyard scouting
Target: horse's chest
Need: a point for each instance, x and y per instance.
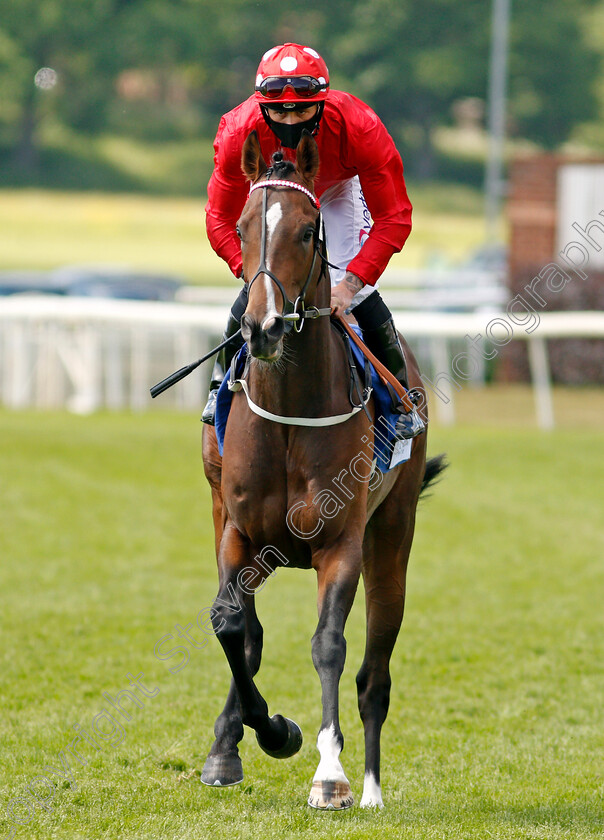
(277, 496)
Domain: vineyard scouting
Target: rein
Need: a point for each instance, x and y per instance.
(294, 312)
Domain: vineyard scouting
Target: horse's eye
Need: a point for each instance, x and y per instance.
(308, 234)
(238, 232)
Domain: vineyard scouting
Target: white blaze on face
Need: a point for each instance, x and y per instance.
(274, 214)
(329, 769)
(372, 793)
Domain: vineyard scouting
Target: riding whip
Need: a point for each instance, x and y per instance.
(175, 377)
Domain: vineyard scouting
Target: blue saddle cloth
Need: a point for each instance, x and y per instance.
(387, 451)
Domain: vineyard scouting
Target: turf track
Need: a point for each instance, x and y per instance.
(496, 725)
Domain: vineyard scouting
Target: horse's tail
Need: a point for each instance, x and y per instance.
(434, 467)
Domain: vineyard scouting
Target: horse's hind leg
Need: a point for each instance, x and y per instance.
(223, 764)
(384, 575)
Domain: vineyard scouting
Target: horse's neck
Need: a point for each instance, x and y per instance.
(304, 377)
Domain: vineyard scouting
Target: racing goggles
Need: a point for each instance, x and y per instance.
(273, 87)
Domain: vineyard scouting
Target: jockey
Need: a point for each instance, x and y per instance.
(364, 202)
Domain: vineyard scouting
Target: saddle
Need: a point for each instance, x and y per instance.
(360, 380)
(382, 371)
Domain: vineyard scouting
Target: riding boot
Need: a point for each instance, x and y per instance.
(382, 339)
(225, 356)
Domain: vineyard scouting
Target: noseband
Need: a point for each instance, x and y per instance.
(294, 313)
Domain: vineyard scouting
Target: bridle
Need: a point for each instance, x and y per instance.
(294, 313)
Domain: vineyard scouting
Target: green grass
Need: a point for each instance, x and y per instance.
(111, 163)
(43, 229)
(496, 722)
(46, 230)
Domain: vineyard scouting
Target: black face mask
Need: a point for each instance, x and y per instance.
(290, 135)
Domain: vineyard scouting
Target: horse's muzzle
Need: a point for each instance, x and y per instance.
(264, 340)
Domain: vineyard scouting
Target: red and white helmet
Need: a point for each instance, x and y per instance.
(291, 73)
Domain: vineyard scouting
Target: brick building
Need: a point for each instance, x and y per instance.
(556, 260)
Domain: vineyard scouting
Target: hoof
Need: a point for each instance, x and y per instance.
(330, 796)
(293, 743)
(222, 770)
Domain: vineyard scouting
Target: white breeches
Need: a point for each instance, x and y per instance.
(347, 223)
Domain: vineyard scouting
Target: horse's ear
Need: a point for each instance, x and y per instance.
(252, 162)
(307, 157)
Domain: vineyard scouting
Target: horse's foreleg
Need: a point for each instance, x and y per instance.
(338, 575)
(384, 574)
(223, 764)
(277, 735)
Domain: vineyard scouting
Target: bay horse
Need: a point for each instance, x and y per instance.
(289, 492)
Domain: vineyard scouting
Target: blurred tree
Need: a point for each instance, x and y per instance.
(553, 70)
(57, 34)
(170, 68)
(412, 61)
(195, 59)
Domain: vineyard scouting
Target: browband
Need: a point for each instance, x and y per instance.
(292, 185)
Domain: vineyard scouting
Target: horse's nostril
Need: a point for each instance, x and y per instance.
(247, 324)
(263, 337)
(273, 327)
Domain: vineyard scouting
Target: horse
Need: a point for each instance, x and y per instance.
(291, 440)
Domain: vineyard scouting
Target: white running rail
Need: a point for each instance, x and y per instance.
(85, 354)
